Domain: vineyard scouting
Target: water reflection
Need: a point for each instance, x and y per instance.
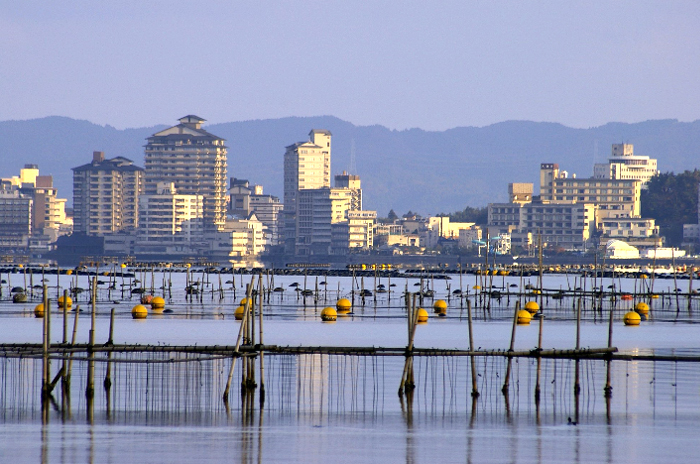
(318, 408)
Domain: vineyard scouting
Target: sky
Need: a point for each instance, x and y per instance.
(400, 64)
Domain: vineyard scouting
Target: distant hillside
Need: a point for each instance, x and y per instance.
(428, 172)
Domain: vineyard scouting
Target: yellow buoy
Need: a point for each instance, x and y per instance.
(422, 315)
(632, 318)
(643, 276)
(502, 273)
(65, 304)
(476, 287)
(39, 310)
(157, 303)
(123, 266)
(244, 301)
(524, 317)
(343, 305)
(642, 308)
(238, 313)
(139, 312)
(440, 306)
(329, 314)
(654, 296)
(532, 307)
(69, 272)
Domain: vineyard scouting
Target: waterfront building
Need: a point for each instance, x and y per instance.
(467, 237)
(614, 198)
(639, 231)
(267, 208)
(353, 183)
(170, 222)
(15, 220)
(48, 215)
(239, 238)
(307, 166)
(561, 225)
(355, 234)
(624, 164)
(195, 161)
(317, 211)
(106, 195)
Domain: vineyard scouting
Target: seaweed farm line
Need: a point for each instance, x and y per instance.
(476, 365)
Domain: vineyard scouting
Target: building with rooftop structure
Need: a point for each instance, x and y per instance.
(624, 164)
(307, 166)
(195, 161)
(106, 195)
(614, 198)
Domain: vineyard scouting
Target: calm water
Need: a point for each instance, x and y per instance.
(322, 408)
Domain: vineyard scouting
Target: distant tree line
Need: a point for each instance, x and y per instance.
(469, 214)
(672, 199)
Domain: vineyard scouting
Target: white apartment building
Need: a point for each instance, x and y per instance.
(614, 198)
(624, 164)
(307, 166)
(106, 195)
(357, 233)
(239, 238)
(170, 222)
(267, 208)
(48, 211)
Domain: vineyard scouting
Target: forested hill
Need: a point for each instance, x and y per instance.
(424, 171)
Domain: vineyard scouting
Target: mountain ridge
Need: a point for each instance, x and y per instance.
(421, 170)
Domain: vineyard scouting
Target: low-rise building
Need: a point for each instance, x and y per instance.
(468, 237)
(562, 225)
(170, 223)
(240, 238)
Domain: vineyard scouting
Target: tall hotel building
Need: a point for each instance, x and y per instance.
(106, 195)
(194, 161)
(307, 165)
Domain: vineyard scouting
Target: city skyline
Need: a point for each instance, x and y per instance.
(401, 65)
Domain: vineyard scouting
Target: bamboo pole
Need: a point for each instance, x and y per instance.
(262, 353)
(90, 387)
(238, 342)
(506, 382)
(608, 385)
(475, 389)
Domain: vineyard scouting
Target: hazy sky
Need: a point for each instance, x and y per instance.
(402, 64)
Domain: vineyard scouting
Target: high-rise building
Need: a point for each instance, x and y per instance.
(351, 182)
(195, 161)
(307, 165)
(106, 195)
(624, 164)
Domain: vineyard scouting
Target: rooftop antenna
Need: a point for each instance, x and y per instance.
(353, 167)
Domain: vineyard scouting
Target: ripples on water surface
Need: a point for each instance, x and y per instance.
(332, 408)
